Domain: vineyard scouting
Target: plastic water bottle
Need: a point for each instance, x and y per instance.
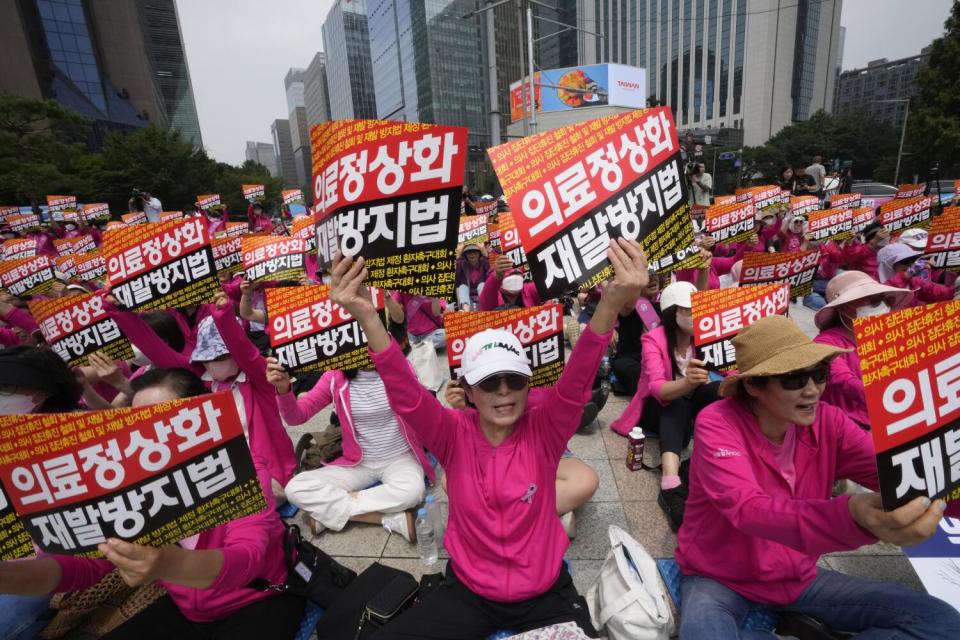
(435, 518)
(426, 542)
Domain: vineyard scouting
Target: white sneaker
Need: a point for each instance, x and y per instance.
(568, 522)
(401, 523)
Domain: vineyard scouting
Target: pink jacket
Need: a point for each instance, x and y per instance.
(160, 354)
(844, 389)
(490, 297)
(505, 540)
(719, 266)
(744, 527)
(252, 548)
(656, 369)
(418, 312)
(20, 319)
(861, 257)
(926, 290)
(334, 387)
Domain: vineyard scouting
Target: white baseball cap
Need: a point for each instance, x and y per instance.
(915, 238)
(512, 283)
(677, 295)
(490, 352)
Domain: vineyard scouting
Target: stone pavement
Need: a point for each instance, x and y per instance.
(625, 498)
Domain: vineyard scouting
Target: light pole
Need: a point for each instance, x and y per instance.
(903, 135)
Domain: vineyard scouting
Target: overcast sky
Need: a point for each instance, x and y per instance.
(240, 50)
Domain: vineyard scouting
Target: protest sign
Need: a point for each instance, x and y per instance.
(830, 224)
(233, 230)
(161, 265)
(796, 268)
(510, 244)
(90, 266)
(134, 217)
(493, 236)
(96, 212)
(720, 314)
(937, 562)
(394, 191)
(539, 330)
(764, 198)
(845, 200)
(910, 364)
(71, 216)
(272, 258)
(151, 475)
(293, 196)
(473, 230)
(20, 248)
(15, 541)
(303, 227)
(943, 242)
(905, 191)
(23, 222)
(227, 255)
(574, 188)
(27, 276)
(77, 326)
(484, 208)
(308, 332)
(79, 244)
(64, 267)
(56, 205)
(801, 206)
(325, 239)
(731, 199)
(730, 222)
(8, 211)
(901, 214)
(170, 215)
(115, 224)
(956, 189)
(862, 216)
(253, 192)
(209, 200)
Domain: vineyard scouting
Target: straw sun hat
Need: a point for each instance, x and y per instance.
(772, 346)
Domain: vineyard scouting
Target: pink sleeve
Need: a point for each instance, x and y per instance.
(244, 352)
(9, 337)
(21, 319)
(80, 573)
(811, 526)
(856, 459)
(296, 410)
(651, 363)
(722, 266)
(153, 347)
(488, 300)
(232, 289)
(930, 291)
(841, 374)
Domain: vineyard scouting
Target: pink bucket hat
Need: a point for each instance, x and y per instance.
(856, 285)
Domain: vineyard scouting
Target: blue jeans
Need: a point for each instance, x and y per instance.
(437, 337)
(873, 610)
(816, 300)
(23, 617)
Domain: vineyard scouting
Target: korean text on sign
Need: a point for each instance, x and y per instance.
(27, 276)
(730, 222)
(76, 326)
(272, 258)
(910, 361)
(574, 188)
(539, 329)
(831, 224)
(796, 268)
(943, 242)
(152, 475)
(901, 214)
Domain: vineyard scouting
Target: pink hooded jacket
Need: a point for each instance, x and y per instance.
(861, 257)
(844, 389)
(490, 298)
(252, 548)
(20, 319)
(334, 387)
(505, 540)
(655, 370)
(744, 527)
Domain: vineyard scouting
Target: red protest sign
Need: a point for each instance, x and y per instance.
(76, 326)
(730, 222)
(539, 330)
(234, 230)
(22, 223)
(209, 200)
(731, 199)
(20, 248)
(161, 265)
(90, 266)
(253, 192)
(56, 205)
(227, 255)
(272, 258)
(8, 211)
(574, 188)
(905, 191)
(943, 242)
(484, 208)
(151, 475)
(393, 191)
(473, 230)
(845, 200)
(308, 332)
(763, 197)
(292, 196)
(862, 216)
(170, 215)
(134, 217)
(304, 228)
(64, 267)
(96, 212)
(720, 314)
(70, 246)
(905, 213)
(910, 362)
(831, 224)
(796, 268)
(801, 206)
(27, 276)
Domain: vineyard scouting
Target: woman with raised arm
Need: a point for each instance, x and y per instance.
(505, 539)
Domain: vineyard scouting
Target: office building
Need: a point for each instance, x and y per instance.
(346, 42)
(695, 54)
(875, 86)
(262, 153)
(120, 63)
(299, 129)
(283, 149)
(315, 97)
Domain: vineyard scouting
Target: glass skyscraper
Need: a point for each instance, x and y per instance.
(346, 43)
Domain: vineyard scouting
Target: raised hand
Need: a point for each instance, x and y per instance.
(278, 376)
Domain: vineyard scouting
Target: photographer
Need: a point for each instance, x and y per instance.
(701, 183)
(142, 200)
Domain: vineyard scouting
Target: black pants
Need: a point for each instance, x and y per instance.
(276, 618)
(453, 612)
(674, 422)
(627, 370)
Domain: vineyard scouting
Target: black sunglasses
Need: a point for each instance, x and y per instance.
(796, 380)
(515, 382)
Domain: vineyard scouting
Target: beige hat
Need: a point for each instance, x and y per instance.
(856, 285)
(772, 346)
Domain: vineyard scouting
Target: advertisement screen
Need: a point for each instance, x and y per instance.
(570, 88)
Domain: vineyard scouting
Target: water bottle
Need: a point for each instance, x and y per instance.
(435, 518)
(426, 542)
(635, 443)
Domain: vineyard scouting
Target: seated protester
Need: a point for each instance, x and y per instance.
(505, 540)
(715, 266)
(760, 512)
(850, 295)
(423, 317)
(863, 256)
(206, 575)
(576, 480)
(632, 322)
(504, 291)
(377, 447)
(902, 267)
(471, 275)
(792, 236)
(769, 223)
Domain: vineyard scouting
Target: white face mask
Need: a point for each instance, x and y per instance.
(873, 310)
(222, 370)
(139, 359)
(769, 222)
(16, 404)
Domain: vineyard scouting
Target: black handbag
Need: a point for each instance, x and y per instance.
(311, 573)
(378, 595)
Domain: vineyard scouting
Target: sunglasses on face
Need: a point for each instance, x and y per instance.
(796, 380)
(515, 382)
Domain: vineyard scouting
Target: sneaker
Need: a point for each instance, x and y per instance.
(590, 413)
(672, 502)
(569, 523)
(401, 523)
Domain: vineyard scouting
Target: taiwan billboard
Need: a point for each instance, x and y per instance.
(570, 88)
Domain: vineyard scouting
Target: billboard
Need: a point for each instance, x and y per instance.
(570, 88)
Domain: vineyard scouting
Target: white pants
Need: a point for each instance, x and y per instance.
(325, 493)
